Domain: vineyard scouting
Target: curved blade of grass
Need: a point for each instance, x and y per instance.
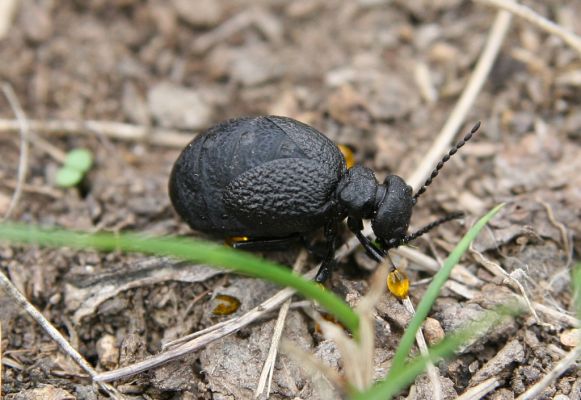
(388, 388)
(189, 250)
(433, 291)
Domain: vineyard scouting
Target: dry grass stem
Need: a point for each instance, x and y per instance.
(228, 28)
(534, 392)
(479, 391)
(426, 263)
(458, 115)
(36, 189)
(55, 335)
(115, 130)
(184, 339)
(7, 11)
(536, 19)
(557, 316)
(268, 367)
(24, 129)
(202, 332)
(44, 145)
(421, 341)
(561, 227)
(425, 83)
(497, 270)
(460, 289)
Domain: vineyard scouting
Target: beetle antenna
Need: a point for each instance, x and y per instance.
(432, 225)
(445, 159)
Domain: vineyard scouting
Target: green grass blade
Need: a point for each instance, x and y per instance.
(389, 388)
(433, 291)
(189, 250)
(577, 288)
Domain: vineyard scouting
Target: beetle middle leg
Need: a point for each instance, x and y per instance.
(328, 262)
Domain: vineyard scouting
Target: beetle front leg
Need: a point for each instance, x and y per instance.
(356, 226)
(328, 262)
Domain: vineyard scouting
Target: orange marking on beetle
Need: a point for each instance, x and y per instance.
(231, 241)
(226, 304)
(347, 154)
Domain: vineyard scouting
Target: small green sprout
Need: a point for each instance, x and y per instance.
(76, 165)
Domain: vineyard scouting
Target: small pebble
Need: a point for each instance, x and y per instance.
(108, 351)
(433, 331)
(570, 338)
(178, 107)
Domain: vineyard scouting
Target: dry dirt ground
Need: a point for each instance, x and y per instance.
(381, 76)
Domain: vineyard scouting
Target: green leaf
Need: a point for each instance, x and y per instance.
(79, 159)
(68, 177)
(186, 249)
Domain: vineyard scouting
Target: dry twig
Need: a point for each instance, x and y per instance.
(7, 10)
(479, 391)
(536, 19)
(55, 335)
(23, 128)
(458, 114)
(268, 367)
(421, 341)
(36, 189)
(115, 130)
(562, 228)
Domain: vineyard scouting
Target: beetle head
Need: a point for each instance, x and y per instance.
(394, 203)
(390, 205)
(393, 211)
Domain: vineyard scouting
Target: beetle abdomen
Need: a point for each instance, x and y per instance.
(282, 197)
(236, 179)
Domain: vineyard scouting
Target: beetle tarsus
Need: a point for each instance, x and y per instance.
(328, 263)
(325, 271)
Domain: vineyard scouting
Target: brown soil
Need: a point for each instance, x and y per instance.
(347, 68)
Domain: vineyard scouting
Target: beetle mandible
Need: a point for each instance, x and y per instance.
(275, 179)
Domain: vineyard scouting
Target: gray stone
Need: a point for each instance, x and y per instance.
(178, 107)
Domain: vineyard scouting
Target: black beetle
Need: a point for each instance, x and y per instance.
(275, 179)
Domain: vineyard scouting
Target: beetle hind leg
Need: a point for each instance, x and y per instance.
(328, 263)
